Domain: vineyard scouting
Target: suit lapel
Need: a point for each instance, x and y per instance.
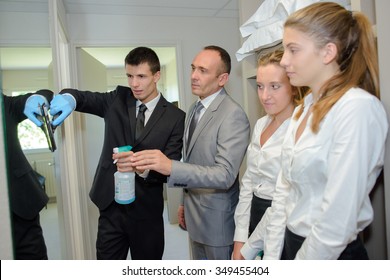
(206, 118)
(158, 111)
(187, 126)
(130, 135)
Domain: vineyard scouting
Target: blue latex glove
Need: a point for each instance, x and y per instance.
(31, 107)
(61, 107)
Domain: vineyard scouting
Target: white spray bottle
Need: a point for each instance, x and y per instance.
(124, 182)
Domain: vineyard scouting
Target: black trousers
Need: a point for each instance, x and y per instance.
(118, 232)
(27, 235)
(293, 242)
(258, 208)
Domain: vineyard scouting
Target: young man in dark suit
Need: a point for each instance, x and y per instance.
(213, 152)
(139, 225)
(27, 197)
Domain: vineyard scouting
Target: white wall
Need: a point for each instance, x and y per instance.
(251, 101)
(171, 92)
(24, 28)
(24, 80)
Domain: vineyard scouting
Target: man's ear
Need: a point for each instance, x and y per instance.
(156, 76)
(329, 53)
(223, 79)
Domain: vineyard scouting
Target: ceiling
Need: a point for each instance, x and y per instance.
(180, 8)
(171, 8)
(28, 58)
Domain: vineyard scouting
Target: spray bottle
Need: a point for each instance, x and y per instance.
(124, 182)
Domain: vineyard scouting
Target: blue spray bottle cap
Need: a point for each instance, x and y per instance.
(121, 149)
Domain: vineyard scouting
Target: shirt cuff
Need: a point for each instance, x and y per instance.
(240, 235)
(144, 174)
(250, 253)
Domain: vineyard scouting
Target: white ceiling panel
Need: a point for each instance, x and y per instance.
(179, 8)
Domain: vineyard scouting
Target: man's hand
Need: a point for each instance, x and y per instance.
(180, 216)
(32, 107)
(153, 160)
(236, 251)
(122, 161)
(61, 107)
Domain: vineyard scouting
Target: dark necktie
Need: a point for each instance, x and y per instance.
(140, 120)
(194, 120)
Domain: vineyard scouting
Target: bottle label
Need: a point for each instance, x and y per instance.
(124, 190)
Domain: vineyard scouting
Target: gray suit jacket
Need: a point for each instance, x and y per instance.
(209, 173)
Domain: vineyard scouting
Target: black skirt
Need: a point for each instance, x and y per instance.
(293, 242)
(258, 208)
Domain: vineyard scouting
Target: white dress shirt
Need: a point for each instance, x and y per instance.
(322, 192)
(263, 166)
(149, 107)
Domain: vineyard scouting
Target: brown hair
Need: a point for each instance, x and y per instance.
(274, 57)
(357, 57)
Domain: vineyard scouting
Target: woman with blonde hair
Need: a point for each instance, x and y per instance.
(278, 98)
(334, 147)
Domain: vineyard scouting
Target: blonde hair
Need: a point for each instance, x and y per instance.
(357, 57)
(274, 57)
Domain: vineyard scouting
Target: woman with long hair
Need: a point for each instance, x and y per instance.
(278, 98)
(334, 147)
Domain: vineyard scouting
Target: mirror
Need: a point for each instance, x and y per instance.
(24, 70)
(26, 66)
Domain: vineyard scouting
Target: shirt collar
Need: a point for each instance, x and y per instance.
(209, 99)
(308, 100)
(151, 104)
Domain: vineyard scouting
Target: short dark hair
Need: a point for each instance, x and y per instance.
(225, 57)
(141, 55)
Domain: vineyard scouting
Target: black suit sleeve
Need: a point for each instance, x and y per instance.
(27, 197)
(173, 149)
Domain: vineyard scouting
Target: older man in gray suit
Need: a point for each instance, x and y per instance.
(213, 153)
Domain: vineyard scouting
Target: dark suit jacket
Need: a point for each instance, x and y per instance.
(163, 131)
(27, 198)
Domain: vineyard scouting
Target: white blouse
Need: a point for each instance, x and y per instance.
(322, 192)
(263, 166)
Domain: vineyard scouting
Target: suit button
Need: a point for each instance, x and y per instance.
(185, 190)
